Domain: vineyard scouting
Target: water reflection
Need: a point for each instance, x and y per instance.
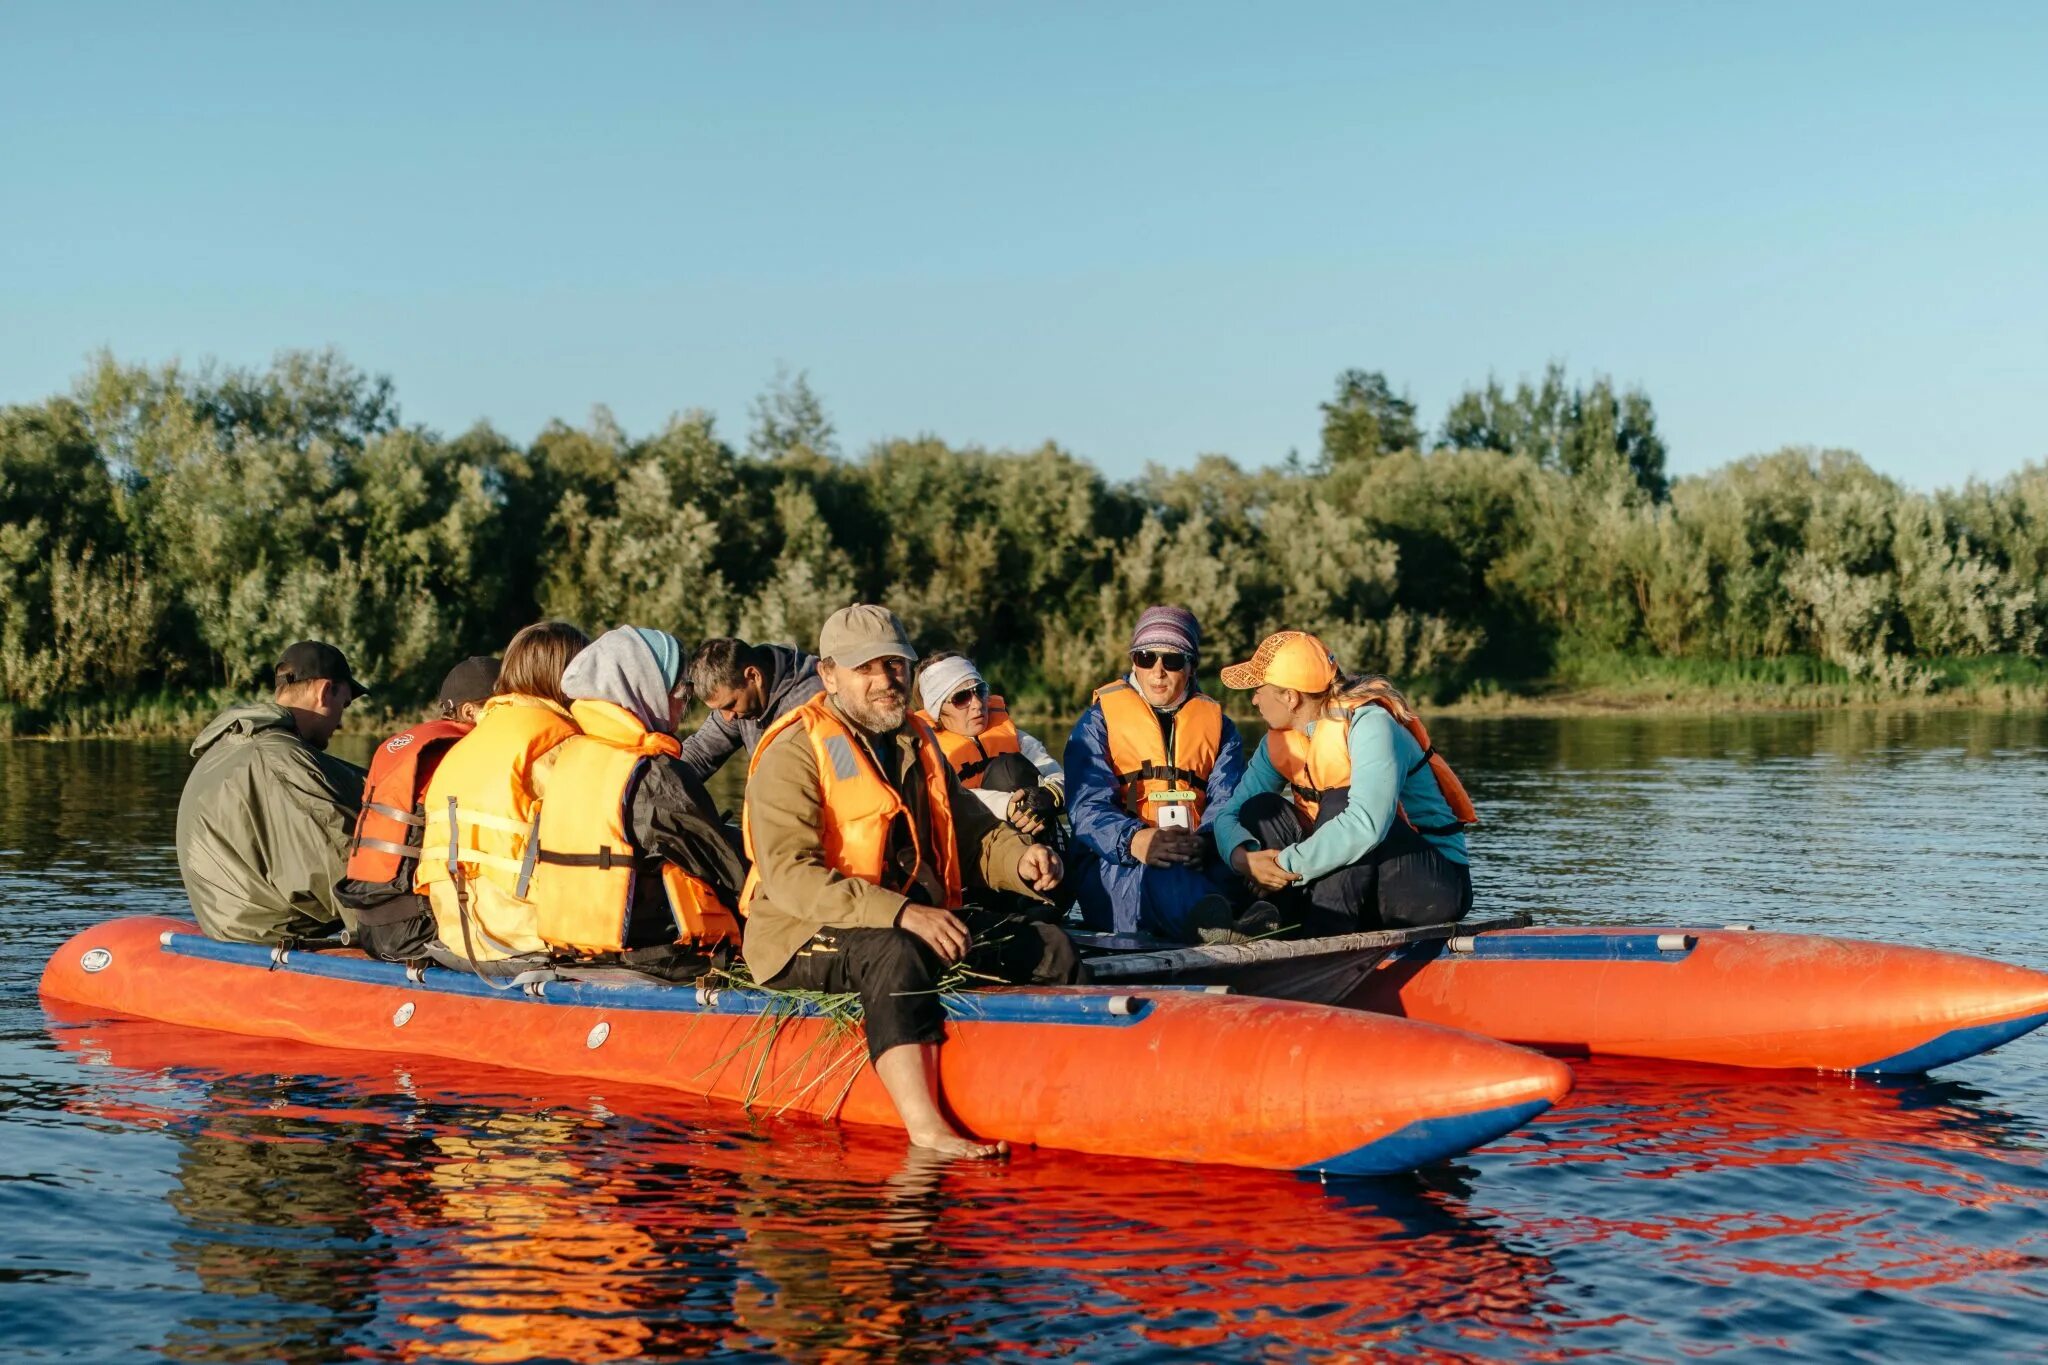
(1790, 1192)
(550, 1222)
(276, 1212)
(430, 1209)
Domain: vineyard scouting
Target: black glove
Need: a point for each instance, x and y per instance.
(1038, 800)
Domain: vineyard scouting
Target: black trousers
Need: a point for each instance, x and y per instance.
(395, 926)
(1404, 882)
(399, 940)
(897, 974)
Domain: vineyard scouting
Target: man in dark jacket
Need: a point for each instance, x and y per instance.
(746, 688)
(266, 814)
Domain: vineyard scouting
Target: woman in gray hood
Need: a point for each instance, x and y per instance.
(626, 692)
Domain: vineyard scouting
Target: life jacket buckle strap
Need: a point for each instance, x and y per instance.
(526, 860)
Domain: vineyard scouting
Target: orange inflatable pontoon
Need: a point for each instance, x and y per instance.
(1164, 1072)
(1728, 996)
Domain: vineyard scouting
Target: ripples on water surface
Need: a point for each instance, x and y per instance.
(212, 1197)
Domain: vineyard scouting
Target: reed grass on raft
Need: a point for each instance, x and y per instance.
(842, 1014)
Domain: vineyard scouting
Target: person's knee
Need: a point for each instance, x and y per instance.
(894, 960)
(1272, 820)
(896, 975)
(1059, 964)
(1416, 898)
(1009, 773)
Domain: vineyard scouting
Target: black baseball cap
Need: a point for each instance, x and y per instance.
(312, 659)
(470, 680)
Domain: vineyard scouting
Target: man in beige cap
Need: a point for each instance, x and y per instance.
(866, 849)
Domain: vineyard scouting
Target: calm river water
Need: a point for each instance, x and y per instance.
(211, 1198)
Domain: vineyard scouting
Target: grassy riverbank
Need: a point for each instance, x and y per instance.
(162, 715)
(1617, 682)
(1596, 685)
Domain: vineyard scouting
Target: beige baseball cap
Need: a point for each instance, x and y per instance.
(853, 635)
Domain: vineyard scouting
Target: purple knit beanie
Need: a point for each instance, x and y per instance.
(1168, 628)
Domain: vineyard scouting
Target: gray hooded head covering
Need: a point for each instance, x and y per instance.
(630, 666)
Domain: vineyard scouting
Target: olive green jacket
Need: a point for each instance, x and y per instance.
(263, 828)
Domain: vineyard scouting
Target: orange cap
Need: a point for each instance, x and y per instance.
(1288, 658)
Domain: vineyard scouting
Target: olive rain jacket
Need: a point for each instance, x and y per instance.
(263, 828)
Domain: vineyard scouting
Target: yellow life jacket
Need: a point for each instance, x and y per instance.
(1321, 762)
(860, 807)
(492, 777)
(583, 889)
(1146, 779)
(970, 755)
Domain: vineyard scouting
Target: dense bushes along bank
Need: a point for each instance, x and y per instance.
(164, 533)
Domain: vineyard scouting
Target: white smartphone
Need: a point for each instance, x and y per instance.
(1176, 815)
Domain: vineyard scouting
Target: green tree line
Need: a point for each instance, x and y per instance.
(171, 530)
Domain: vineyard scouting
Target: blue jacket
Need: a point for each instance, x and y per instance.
(1117, 893)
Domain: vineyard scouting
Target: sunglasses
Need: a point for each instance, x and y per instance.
(965, 695)
(1170, 660)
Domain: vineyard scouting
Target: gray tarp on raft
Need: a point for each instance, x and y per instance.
(1324, 971)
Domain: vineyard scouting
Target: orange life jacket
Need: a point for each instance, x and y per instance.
(970, 755)
(861, 808)
(386, 846)
(1146, 778)
(582, 892)
(1321, 762)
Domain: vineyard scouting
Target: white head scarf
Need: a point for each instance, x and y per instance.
(943, 679)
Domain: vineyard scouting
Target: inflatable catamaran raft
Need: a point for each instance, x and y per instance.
(1730, 995)
(1173, 1072)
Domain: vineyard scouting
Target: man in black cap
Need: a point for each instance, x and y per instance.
(265, 817)
(394, 921)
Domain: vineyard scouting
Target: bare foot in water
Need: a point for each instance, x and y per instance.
(950, 1145)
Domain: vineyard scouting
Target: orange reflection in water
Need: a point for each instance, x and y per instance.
(529, 1218)
(517, 1221)
(533, 1218)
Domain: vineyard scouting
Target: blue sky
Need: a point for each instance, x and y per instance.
(1145, 232)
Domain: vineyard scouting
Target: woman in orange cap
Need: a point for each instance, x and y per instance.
(1347, 818)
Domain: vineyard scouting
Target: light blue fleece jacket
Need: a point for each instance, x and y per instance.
(1387, 773)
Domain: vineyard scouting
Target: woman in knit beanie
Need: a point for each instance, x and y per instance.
(1146, 761)
(1164, 636)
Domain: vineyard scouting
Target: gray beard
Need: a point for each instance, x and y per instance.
(875, 722)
